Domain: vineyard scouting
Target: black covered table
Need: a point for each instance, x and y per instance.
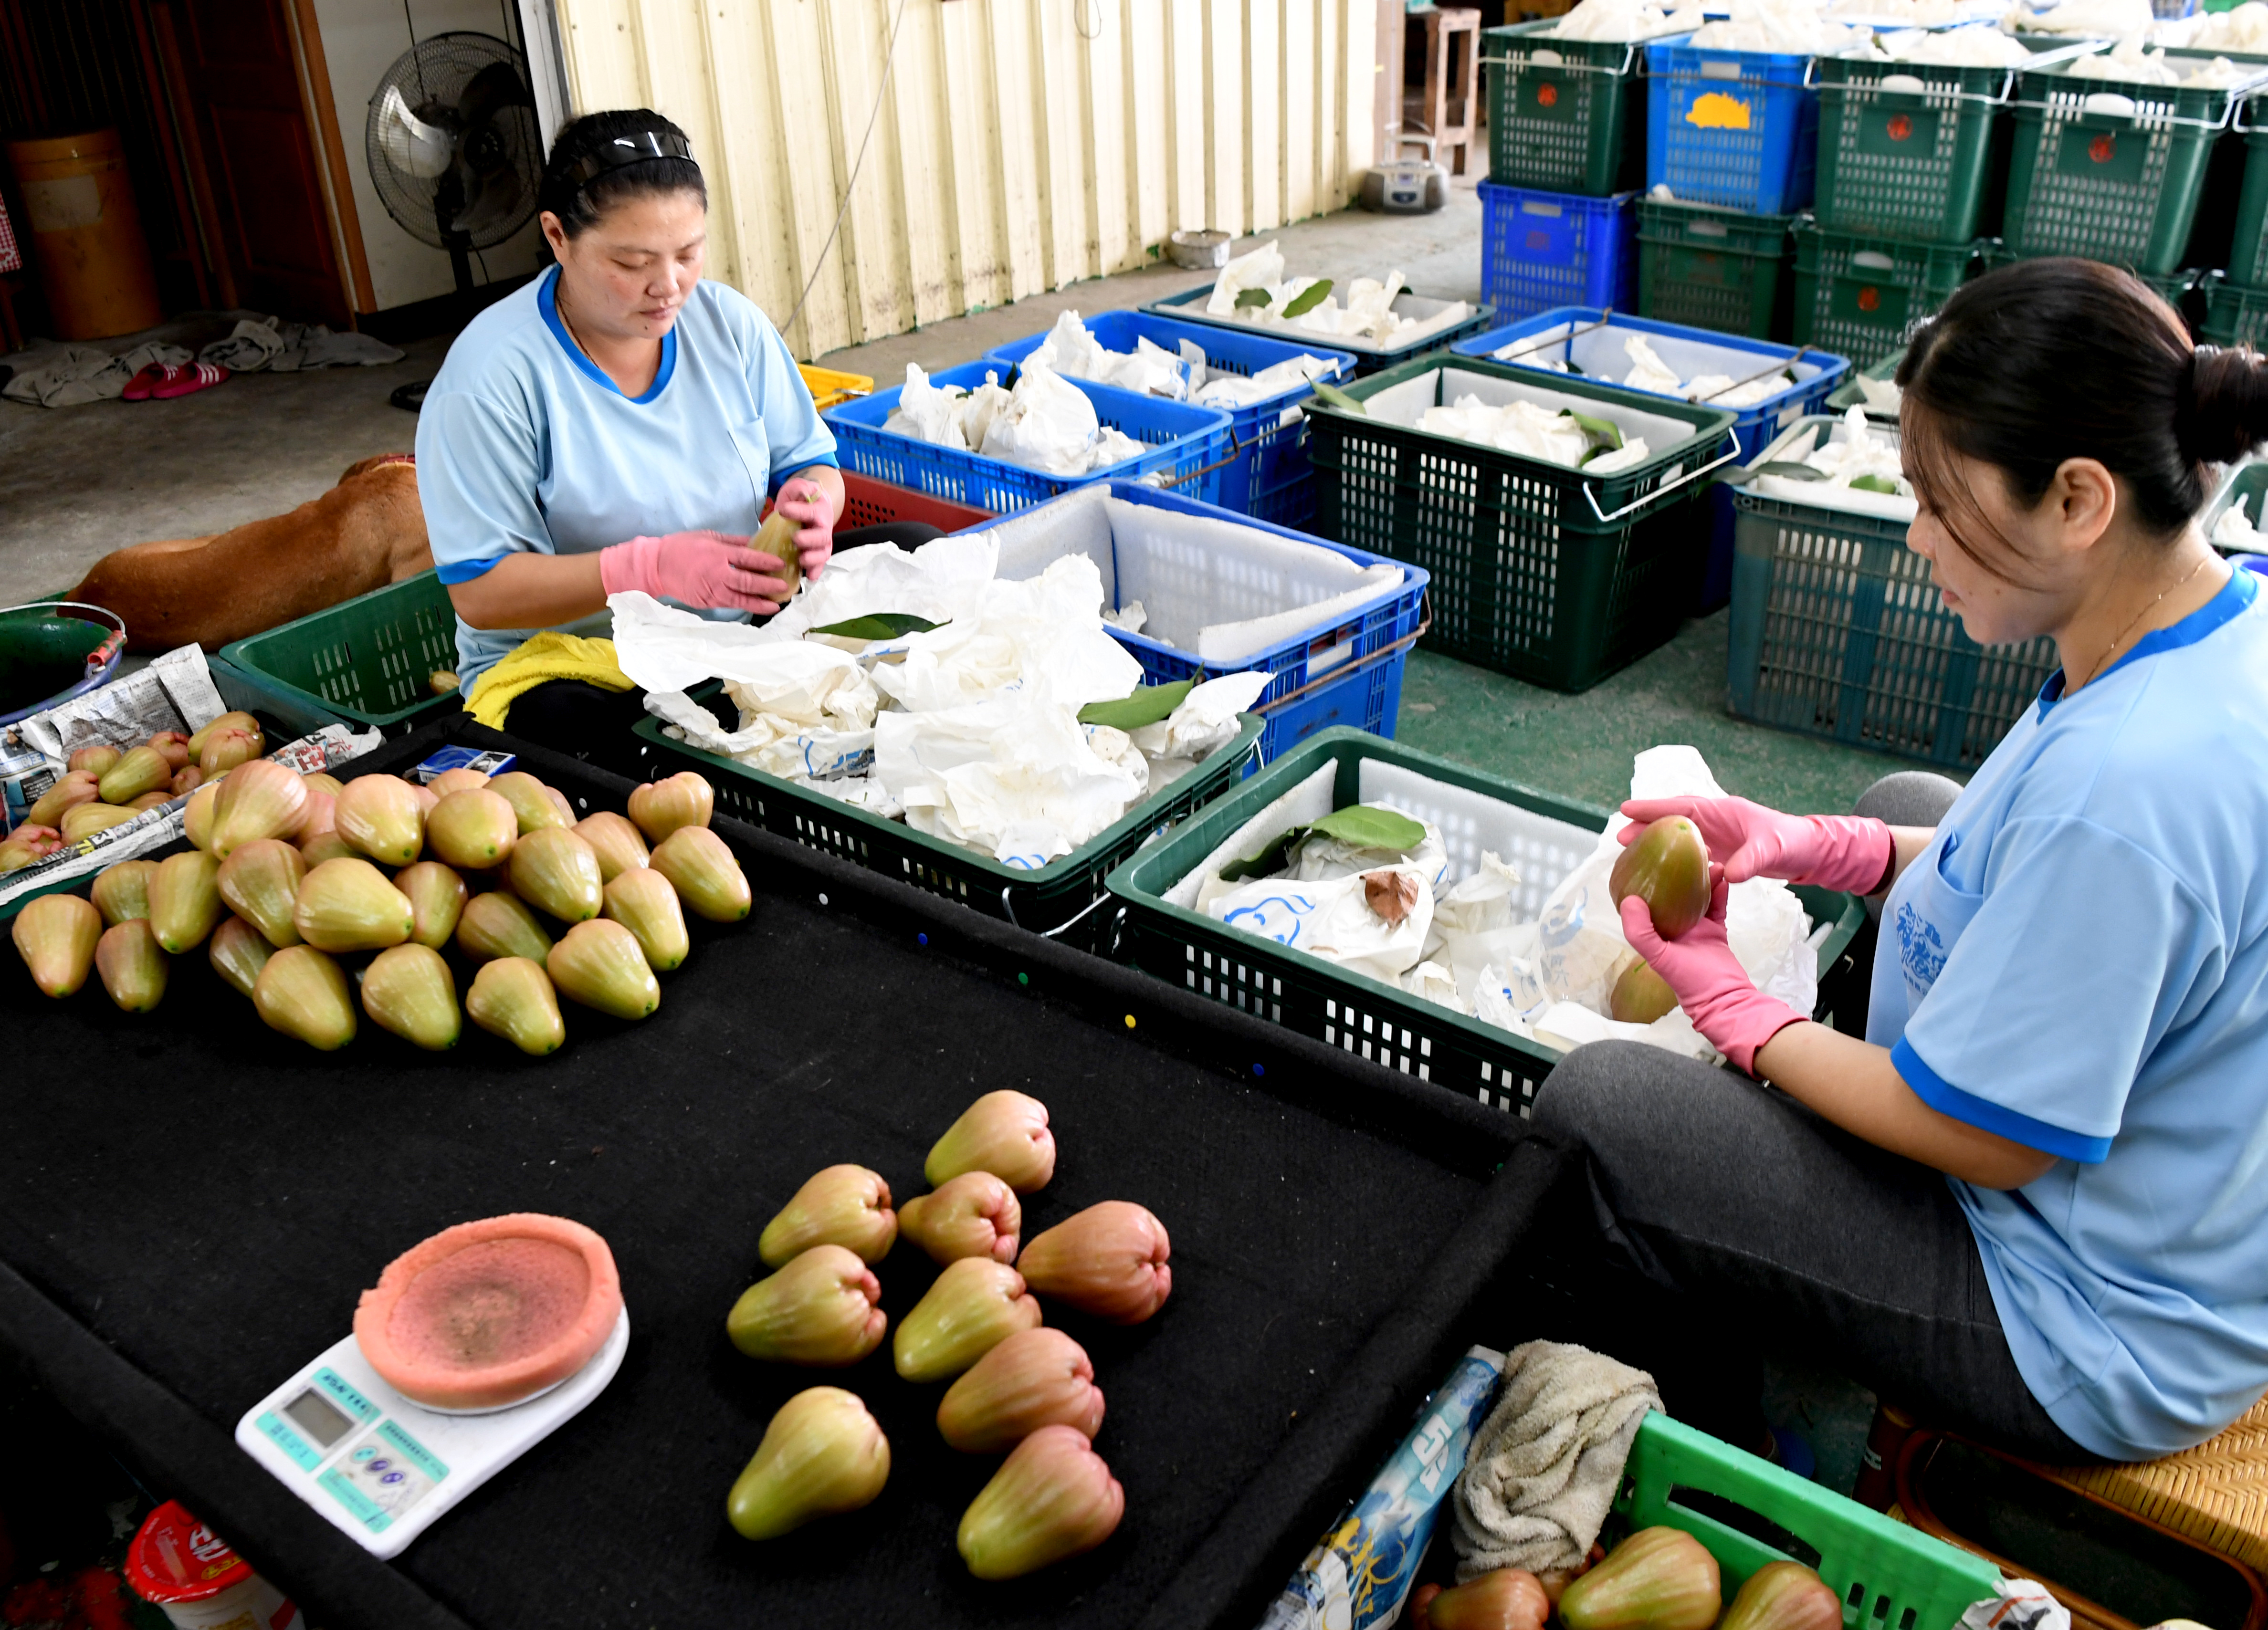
(191, 1204)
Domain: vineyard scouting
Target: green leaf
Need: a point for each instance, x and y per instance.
(1145, 704)
(1310, 298)
(879, 626)
(1362, 825)
(1874, 483)
(1574, 368)
(1332, 396)
(1605, 430)
(1246, 298)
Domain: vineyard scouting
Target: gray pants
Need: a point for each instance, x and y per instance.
(1774, 1221)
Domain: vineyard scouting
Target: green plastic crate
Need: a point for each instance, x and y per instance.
(1838, 632)
(1047, 899)
(1714, 269)
(2247, 250)
(2122, 188)
(2233, 314)
(294, 718)
(369, 660)
(1860, 297)
(1538, 570)
(1847, 395)
(1889, 1576)
(1897, 164)
(1548, 837)
(1574, 125)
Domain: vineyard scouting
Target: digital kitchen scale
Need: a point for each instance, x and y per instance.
(381, 1467)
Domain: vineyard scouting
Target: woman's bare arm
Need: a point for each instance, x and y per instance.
(531, 591)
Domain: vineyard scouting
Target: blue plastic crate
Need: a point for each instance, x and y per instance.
(1269, 479)
(1739, 130)
(1596, 347)
(1541, 250)
(1187, 444)
(1342, 673)
(1368, 359)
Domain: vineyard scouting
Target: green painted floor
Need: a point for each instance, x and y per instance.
(1581, 746)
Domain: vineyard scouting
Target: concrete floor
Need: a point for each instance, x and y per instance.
(76, 482)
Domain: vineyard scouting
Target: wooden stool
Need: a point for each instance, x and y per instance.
(1447, 108)
(2216, 1493)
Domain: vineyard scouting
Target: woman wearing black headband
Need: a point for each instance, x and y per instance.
(616, 425)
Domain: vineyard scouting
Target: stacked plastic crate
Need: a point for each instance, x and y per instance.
(1567, 128)
(2237, 297)
(1732, 146)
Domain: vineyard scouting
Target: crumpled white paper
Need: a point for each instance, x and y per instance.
(1789, 26)
(1623, 19)
(1045, 424)
(1332, 918)
(1362, 310)
(1149, 370)
(1536, 431)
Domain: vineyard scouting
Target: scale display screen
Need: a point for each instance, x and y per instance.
(315, 1415)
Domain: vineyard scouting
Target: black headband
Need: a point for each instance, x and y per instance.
(620, 151)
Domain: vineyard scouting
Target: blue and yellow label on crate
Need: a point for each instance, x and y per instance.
(1716, 110)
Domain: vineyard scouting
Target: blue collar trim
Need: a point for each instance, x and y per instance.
(547, 300)
(2237, 593)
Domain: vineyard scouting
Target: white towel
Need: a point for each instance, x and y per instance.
(1545, 1464)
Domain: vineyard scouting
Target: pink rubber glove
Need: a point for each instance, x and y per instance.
(706, 571)
(806, 503)
(1712, 986)
(1847, 852)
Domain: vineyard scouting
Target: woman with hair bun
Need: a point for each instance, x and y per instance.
(618, 424)
(2032, 1205)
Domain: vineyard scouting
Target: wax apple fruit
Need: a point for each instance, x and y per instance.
(1003, 1133)
(235, 720)
(472, 828)
(69, 792)
(132, 965)
(57, 934)
(174, 747)
(701, 870)
(261, 883)
(975, 1214)
(1658, 1579)
(822, 1455)
(261, 799)
(184, 900)
(94, 759)
(1640, 996)
(304, 993)
(143, 769)
(1506, 1599)
(82, 821)
(643, 901)
(347, 905)
(436, 899)
(616, 841)
(409, 991)
(601, 965)
(197, 815)
(123, 893)
(222, 753)
(1035, 1379)
(379, 815)
(1783, 1595)
(846, 1206)
(975, 1305)
(1110, 1260)
(512, 997)
(685, 799)
(1053, 1498)
(530, 799)
(499, 925)
(1667, 867)
(820, 1309)
(237, 952)
(553, 869)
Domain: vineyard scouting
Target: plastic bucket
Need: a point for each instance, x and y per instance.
(51, 651)
(86, 238)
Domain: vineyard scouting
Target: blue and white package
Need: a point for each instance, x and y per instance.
(1361, 1571)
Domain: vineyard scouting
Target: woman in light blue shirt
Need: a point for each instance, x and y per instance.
(2033, 1203)
(618, 424)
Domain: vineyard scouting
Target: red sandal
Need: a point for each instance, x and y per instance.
(139, 387)
(189, 381)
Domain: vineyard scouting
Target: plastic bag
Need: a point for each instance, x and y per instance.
(1336, 918)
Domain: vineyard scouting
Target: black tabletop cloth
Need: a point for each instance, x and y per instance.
(190, 1205)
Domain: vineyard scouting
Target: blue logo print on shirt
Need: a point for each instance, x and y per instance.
(1921, 953)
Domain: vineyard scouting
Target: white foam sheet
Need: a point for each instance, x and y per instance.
(1211, 587)
(1404, 404)
(1599, 353)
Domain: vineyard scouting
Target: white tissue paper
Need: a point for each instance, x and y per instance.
(1524, 427)
(1789, 26)
(2103, 18)
(1866, 449)
(2130, 62)
(1622, 19)
(1071, 350)
(1045, 424)
(1365, 314)
(2240, 28)
(969, 730)
(1947, 47)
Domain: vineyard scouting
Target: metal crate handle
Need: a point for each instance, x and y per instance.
(1591, 492)
(1930, 94)
(2074, 110)
(1630, 55)
(1235, 451)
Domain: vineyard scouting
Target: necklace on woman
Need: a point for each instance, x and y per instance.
(568, 323)
(2137, 617)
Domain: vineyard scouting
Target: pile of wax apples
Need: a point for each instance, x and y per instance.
(1021, 1388)
(1658, 1579)
(105, 786)
(302, 887)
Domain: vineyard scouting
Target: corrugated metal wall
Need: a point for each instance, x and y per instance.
(1019, 144)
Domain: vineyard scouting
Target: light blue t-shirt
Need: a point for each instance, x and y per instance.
(525, 444)
(2078, 962)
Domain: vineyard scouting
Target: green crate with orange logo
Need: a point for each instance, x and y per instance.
(1897, 161)
(1860, 296)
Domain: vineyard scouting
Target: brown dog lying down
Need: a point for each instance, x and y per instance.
(365, 533)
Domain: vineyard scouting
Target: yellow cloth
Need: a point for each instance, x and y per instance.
(546, 657)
